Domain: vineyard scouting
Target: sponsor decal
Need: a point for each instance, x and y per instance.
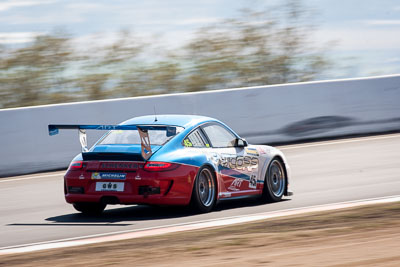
(118, 165)
(214, 157)
(171, 131)
(235, 185)
(225, 194)
(244, 163)
(262, 150)
(187, 143)
(252, 151)
(253, 181)
(107, 127)
(108, 175)
(96, 175)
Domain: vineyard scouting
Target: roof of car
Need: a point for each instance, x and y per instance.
(178, 120)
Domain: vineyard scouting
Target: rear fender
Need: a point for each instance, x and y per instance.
(211, 167)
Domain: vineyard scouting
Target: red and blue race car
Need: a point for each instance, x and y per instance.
(171, 160)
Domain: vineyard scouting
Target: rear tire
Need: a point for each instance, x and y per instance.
(275, 181)
(89, 208)
(204, 193)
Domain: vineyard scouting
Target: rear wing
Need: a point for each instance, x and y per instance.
(142, 129)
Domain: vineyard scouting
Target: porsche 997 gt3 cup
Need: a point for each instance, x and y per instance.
(171, 160)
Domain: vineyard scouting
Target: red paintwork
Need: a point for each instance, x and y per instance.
(236, 190)
(182, 179)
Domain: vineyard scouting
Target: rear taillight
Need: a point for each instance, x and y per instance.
(156, 166)
(76, 165)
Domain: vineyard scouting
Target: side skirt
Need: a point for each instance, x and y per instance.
(239, 197)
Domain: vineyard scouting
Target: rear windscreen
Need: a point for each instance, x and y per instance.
(131, 137)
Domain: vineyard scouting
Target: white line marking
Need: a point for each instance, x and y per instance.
(353, 140)
(31, 178)
(152, 231)
(205, 92)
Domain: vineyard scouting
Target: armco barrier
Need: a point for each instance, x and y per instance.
(279, 113)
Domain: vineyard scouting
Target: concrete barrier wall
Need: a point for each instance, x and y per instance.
(281, 113)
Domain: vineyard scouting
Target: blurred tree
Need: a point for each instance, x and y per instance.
(164, 77)
(101, 68)
(35, 74)
(154, 71)
(297, 59)
(256, 48)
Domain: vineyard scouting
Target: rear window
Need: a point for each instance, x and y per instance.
(157, 137)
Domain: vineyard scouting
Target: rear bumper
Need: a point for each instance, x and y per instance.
(140, 187)
(156, 200)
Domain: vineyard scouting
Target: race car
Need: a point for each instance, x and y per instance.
(171, 160)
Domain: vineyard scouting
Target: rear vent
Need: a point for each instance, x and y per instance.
(76, 190)
(111, 156)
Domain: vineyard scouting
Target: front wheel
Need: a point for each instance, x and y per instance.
(275, 181)
(204, 190)
(89, 208)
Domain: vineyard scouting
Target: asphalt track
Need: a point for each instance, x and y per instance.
(33, 209)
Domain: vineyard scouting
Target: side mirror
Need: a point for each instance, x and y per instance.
(241, 142)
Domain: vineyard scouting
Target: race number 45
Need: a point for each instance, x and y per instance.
(253, 181)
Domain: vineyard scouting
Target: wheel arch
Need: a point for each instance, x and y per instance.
(213, 171)
(285, 169)
(283, 161)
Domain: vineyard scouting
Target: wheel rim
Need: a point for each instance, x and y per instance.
(276, 180)
(206, 187)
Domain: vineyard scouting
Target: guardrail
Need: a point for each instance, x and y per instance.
(265, 114)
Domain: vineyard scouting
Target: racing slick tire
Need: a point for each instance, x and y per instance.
(275, 181)
(89, 208)
(204, 193)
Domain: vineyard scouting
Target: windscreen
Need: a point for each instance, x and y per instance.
(157, 137)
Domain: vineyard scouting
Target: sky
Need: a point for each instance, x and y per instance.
(365, 33)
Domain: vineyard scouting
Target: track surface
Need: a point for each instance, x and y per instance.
(33, 208)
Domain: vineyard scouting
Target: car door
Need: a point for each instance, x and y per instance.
(237, 169)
